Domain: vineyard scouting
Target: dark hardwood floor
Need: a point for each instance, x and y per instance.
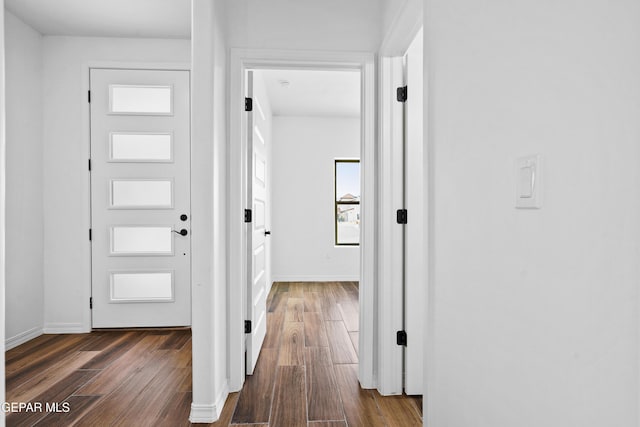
(306, 374)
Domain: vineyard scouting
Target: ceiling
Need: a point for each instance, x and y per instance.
(106, 18)
(313, 93)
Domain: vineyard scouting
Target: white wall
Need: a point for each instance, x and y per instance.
(209, 207)
(220, 197)
(303, 242)
(401, 20)
(534, 320)
(66, 148)
(391, 9)
(24, 238)
(352, 25)
(2, 204)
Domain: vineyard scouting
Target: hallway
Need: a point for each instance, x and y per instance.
(307, 371)
(306, 374)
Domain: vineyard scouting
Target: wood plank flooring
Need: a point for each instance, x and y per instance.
(126, 378)
(306, 374)
(309, 375)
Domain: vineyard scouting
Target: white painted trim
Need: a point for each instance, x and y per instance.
(313, 278)
(22, 338)
(414, 233)
(134, 65)
(368, 344)
(430, 155)
(413, 15)
(403, 29)
(390, 243)
(3, 205)
(241, 60)
(64, 328)
(204, 414)
(367, 373)
(85, 216)
(237, 236)
(207, 414)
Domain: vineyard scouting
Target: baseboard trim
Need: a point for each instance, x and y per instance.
(294, 278)
(206, 414)
(203, 414)
(22, 338)
(64, 328)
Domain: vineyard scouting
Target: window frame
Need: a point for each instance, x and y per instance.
(338, 203)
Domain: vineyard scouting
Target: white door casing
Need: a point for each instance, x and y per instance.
(140, 188)
(257, 286)
(390, 235)
(415, 245)
(240, 61)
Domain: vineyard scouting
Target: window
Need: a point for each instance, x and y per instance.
(146, 100)
(347, 209)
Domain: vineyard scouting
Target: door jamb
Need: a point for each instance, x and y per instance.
(405, 25)
(241, 60)
(390, 238)
(86, 153)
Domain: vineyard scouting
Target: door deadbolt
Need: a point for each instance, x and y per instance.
(183, 217)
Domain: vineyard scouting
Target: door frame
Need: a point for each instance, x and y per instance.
(391, 254)
(240, 61)
(405, 25)
(86, 153)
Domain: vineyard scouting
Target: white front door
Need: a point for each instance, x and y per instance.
(140, 198)
(256, 231)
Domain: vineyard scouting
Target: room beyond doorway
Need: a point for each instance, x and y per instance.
(315, 173)
(242, 61)
(299, 125)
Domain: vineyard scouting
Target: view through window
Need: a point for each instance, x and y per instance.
(347, 208)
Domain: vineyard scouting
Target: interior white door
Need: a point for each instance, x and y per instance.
(415, 244)
(256, 231)
(140, 198)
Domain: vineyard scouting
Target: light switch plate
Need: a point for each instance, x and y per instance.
(528, 173)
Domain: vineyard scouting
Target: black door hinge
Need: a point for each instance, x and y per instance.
(90, 302)
(401, 216)
(247, 215)
(248, 104)
(89, 96)
(247, 326)
(90, 234)
(401, 338)
(401, 94)
(89, 164)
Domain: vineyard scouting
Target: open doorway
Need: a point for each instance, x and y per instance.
(360, 68)
(304, 186)
(303, 161)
